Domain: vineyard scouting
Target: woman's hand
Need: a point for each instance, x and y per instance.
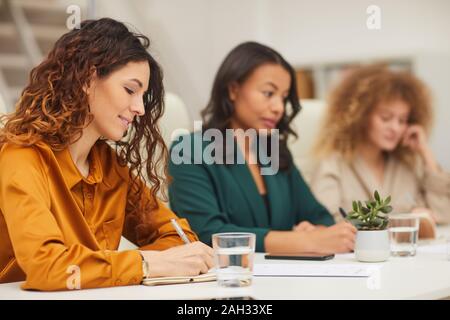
(415, 138)
(427, 227)
(186, 260)
(339, 238)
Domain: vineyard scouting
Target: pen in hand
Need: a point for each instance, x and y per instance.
(342, 212)
(180, 231)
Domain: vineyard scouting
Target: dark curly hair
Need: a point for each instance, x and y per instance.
(53, 107)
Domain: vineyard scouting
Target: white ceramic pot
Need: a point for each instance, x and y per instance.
(372, 245)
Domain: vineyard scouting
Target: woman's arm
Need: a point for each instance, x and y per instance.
(186, 260)
(193, 195)
(435, 188)
(325, 238)
(435, 182)
(339, 238)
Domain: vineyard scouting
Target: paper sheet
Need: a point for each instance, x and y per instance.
(313, 270)
(433, 248)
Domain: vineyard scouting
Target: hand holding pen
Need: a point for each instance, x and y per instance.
(180, 231)
(191, 259)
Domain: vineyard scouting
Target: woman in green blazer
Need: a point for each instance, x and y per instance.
(236, 174)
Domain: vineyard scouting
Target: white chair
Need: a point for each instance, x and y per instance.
(2, 108)
(2, 104)
(176, 116)
(307, 125)
(175, 121)
(125, 245)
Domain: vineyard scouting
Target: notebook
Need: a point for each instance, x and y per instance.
(210, 276)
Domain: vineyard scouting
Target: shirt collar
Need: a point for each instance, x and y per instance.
(71, 173)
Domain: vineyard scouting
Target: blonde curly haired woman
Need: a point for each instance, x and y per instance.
(374, 136)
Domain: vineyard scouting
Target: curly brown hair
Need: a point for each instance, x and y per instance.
(354, 99)
(53, 107)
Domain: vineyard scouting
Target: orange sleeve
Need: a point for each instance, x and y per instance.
(153, 229)
(39, 247)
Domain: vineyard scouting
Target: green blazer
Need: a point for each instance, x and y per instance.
(224, 197)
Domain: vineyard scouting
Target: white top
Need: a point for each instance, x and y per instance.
(425, 276)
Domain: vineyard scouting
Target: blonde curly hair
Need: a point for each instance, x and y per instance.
(351, 103)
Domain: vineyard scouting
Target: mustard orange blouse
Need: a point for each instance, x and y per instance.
(54, 221)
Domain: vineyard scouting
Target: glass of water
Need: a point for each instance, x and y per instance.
(403, 234)
(233, 258)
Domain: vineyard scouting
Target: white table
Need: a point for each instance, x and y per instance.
(425, 276)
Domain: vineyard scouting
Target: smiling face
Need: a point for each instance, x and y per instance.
(387, 124)
(117, 99)
(259, 101)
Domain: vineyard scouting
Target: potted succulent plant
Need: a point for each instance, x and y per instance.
(371, 220)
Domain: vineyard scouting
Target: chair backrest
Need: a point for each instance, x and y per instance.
(125, 245)
(176, 116)
(2, 104)
(307, 125)
(2, 108)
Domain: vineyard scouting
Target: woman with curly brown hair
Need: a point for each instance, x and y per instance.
(72, 179)
(374, 136)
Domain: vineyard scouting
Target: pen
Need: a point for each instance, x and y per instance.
(343, 213)
(180, 231)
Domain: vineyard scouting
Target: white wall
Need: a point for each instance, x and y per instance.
(191, 38)
(331, 30)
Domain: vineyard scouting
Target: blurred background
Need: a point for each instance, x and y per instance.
(321, 39)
